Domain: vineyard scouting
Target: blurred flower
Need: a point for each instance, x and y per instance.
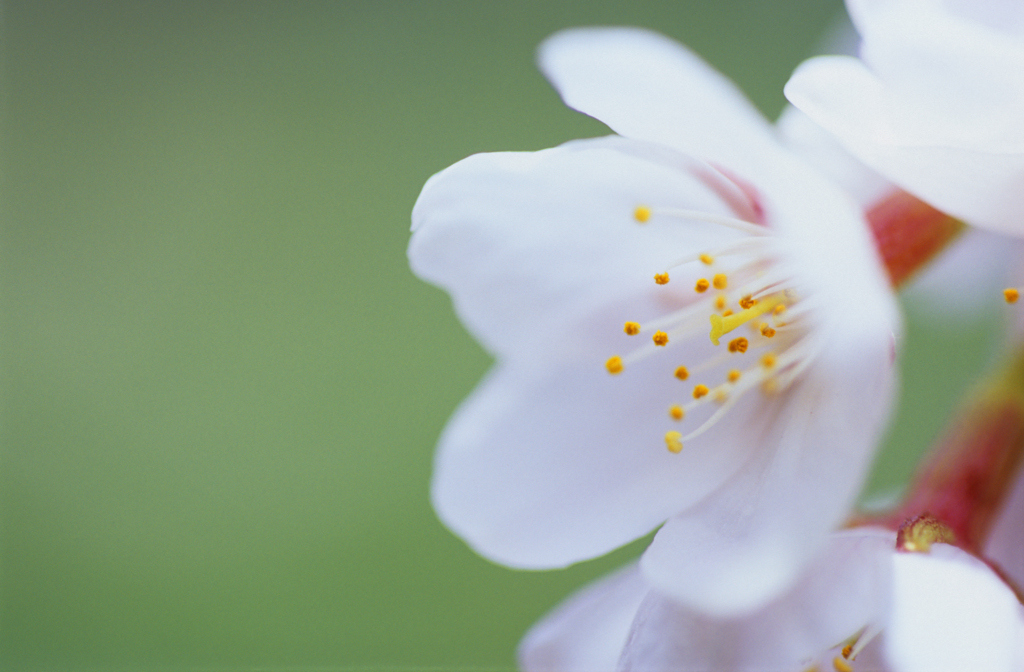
(934, 103)
(594, 272)
(861, 605)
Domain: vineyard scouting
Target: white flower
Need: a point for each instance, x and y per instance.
(547, 255)
(940, 611)
(935, 102)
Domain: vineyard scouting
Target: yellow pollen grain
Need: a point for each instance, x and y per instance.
(701, 286)
(676, 412)
(674, 442)
(734, 375)
(614, 365)
(682, 373)
(847, 650)
(700, 391)
(747, 302)
(661, 278)
(642, 214)
(1011, 294)
(707, 259)
(766, 331)
(738, 344)
(631, 328)
(841, 665)
(768, 361)
(720, 281)
(660, 338)
(720, 301)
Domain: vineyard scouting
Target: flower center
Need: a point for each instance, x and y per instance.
(744, 292)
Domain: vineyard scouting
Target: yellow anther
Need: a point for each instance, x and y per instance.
(723, 324)
(682, 373)
(676, 412)
(747, 302)
(738, 344)
(661, 278)
(768, 361)
(720, 281)
(674, 442)
(702, 285)
(841, 665)
(631, 328)
(707, 259)
(766, 331)
(734, 375)
(700, 391)
(721, 396)
(1011, 294)
(726, 313)
(847, 650)
(614, 365)
(779, 309)
(642, 213)
(917, 534)
(660, 338)
(720, 301)
(770, 386)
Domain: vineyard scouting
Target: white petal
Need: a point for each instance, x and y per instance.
(586, 633)
(530, 242)
(1005, 544)
(951, 612)
(748, 542)
(845, 589)
(646, 86)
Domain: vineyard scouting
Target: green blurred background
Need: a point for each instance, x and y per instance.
(221, 384)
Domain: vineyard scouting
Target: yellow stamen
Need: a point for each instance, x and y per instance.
(726, 313)
(702, 286)
(768, 361)
(721, 325)
(700, 391)
(841, 665)
(721, 396)
(631, 328)
(676, 412)
(770, 386)
(614, 365)
(734, 375)
(673, 441)
(661, 278)
(779, 309)
(642, 214)
(1011, 294)
(747, 302)
(720, 301)
(660, 338)
(682, 373)
(738, 344)
(720, 281)
(847, 650)
(707, 259)
(766, 331)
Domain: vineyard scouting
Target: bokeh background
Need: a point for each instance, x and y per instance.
(221, 384)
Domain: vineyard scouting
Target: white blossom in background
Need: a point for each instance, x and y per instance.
(860, 606)
(596, 272)
(934, 103)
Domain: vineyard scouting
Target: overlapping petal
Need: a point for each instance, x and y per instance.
(934, 104)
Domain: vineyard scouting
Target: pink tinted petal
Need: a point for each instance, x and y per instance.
(529, 242)
(586, 633)
(982, 186)
(750, 541)
(951, 612)
(1006, 540)
(843, 589)
(648, 87)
